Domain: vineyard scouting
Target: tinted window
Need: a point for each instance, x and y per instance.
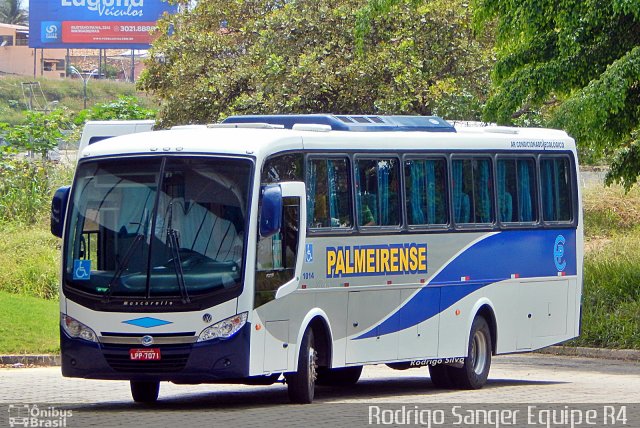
(555, 176)
(516, 190)
(472, 190)
(276, 255)
(425, 182)
(377, 192)
(154, 227)
(328, 193)
(93, 140)
(282, 168)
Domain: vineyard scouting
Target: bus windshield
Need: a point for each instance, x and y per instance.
(157, 227)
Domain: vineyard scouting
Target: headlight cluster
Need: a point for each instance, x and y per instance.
(224, 329)
(76, 329)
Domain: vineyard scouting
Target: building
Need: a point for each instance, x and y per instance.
(16, 57)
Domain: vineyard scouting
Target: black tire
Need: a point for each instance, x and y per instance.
(145, 392)
(302, 383)
(343, 376)
(475, 370)
(440, 376)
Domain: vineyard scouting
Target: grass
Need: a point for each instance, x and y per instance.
(29, 260)
(609, 211)
(28, 325)
(26, 188)
(68, 93)
(29, 254)
(611, 295)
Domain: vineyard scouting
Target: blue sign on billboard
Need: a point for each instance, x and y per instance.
(94, 23)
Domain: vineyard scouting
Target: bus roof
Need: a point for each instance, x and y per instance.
(512, 130)
(259, 137)
(352, 123)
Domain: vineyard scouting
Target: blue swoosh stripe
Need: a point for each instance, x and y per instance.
(529, 253)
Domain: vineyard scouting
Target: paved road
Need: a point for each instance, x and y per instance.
(514, 380)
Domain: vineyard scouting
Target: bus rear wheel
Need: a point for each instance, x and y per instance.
(342, 376)
(145, 391)
(475, 370)
(302, 383)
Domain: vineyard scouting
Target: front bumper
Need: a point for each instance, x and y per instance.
(211, 361)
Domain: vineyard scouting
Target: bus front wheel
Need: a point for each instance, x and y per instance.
(144, 392)
(475, 370)
(302, 383)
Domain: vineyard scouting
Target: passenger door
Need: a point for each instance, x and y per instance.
(278, 267)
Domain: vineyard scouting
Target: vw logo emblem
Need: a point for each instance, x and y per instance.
(207, 318)
(147, 340)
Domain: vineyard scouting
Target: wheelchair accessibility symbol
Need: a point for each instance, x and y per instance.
(81, 270)
(308, 254)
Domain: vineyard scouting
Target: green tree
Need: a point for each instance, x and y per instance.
(123, 108)
(40, 132)
(575, 65)
(11, 12)
(253, 56)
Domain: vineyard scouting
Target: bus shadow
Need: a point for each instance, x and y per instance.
(365, 389)
(396, 387)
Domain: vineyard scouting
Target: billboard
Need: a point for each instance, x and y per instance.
(94, 23)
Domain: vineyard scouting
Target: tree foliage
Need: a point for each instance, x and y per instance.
(40, 132)
(11, 12)
(269, 56)
(123, 108)
(576, 62)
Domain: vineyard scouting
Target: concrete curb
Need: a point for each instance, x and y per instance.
(570, 351)
(30, 360)
(599, 353)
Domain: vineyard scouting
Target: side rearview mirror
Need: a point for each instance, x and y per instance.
(59, 209)
(271, 211)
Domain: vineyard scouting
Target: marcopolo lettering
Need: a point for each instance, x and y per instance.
(370, 260)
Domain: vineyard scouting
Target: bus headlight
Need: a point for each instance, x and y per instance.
(76, 329)
(224, 329)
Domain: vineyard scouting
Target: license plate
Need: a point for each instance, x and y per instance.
(145, 354)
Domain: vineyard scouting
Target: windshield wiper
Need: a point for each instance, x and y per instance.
(123, 265)
(172, 238)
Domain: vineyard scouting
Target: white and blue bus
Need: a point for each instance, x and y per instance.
(306, 246)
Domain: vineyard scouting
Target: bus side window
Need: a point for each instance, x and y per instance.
(516, 191)
(282, 168)
(276, 255)
(556, 194)
(377, 192)
(328, 194)
(472, 190)
(426, 181)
